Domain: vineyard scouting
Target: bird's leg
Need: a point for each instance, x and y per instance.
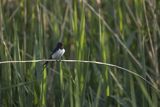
(60, 59)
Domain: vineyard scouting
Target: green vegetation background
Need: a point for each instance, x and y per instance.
(121, 32)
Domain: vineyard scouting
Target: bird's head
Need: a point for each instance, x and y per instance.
(60, 45)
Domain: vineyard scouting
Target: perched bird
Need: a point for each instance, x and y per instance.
(57, 53)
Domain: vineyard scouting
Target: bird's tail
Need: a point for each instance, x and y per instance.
(45, 63)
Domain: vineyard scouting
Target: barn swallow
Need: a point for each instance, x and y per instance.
(57, 53)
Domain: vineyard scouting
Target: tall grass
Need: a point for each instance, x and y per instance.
(121, 32)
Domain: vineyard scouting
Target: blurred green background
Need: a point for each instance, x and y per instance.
(121, 32)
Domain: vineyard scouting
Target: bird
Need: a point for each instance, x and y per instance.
(57, 53)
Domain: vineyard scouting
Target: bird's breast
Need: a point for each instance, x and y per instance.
(58, 54)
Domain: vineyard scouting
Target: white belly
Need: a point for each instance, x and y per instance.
(58, 54)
